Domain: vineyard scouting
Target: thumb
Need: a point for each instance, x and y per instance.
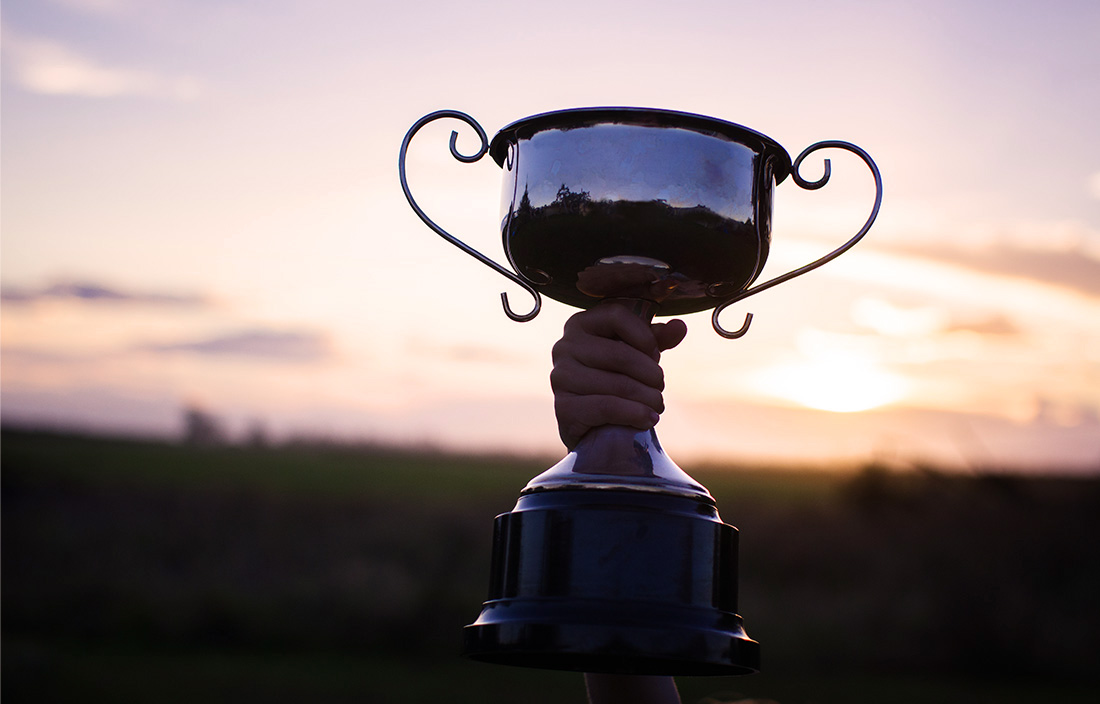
(669, 334)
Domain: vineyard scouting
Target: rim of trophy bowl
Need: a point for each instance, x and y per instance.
(645, 117)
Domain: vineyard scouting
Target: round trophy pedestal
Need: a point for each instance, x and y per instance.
(619, 581)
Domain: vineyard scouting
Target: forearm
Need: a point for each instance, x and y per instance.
(630, 689)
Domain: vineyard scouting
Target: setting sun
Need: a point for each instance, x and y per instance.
(837, 372)
(840, 386)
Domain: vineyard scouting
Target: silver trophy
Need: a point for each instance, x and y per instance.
(615, 559)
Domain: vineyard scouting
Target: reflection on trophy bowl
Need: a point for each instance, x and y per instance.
(616, 202)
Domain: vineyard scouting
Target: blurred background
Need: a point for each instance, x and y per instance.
(258, 417)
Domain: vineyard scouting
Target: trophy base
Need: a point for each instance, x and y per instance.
(614, 581)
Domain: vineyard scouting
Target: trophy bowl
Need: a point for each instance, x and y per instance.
(654, 204)
(615, 559)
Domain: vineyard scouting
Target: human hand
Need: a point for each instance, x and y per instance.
(607, 370)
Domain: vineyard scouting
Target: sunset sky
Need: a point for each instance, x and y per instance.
(201, 208)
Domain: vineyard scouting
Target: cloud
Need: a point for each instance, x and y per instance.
(1061, 254)
(992, 325)
(96, 293)
(16, 354)
(1070, 269)
(50, 68)
(105, 7)
(1094, 185)
(272, 345)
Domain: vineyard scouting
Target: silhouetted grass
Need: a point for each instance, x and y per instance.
(150, 571)
(299, 468)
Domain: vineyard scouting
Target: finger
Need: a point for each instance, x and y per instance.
(615, 322)
(607, 356)
(572, 378)
(579, 414)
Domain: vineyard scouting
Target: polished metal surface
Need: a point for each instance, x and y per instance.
(616, 457)
(613, 581)
(614, 203)
(670, 207)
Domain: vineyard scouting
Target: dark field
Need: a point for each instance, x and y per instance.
(138, 572)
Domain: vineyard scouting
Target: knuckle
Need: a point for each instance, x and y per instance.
(560, 349)
(623, 387)
(564, 375)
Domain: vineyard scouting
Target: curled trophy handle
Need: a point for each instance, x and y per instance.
(466, 159)
(809, 186)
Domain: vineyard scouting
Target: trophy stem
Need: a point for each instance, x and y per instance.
(641, 307)
(619, 458)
